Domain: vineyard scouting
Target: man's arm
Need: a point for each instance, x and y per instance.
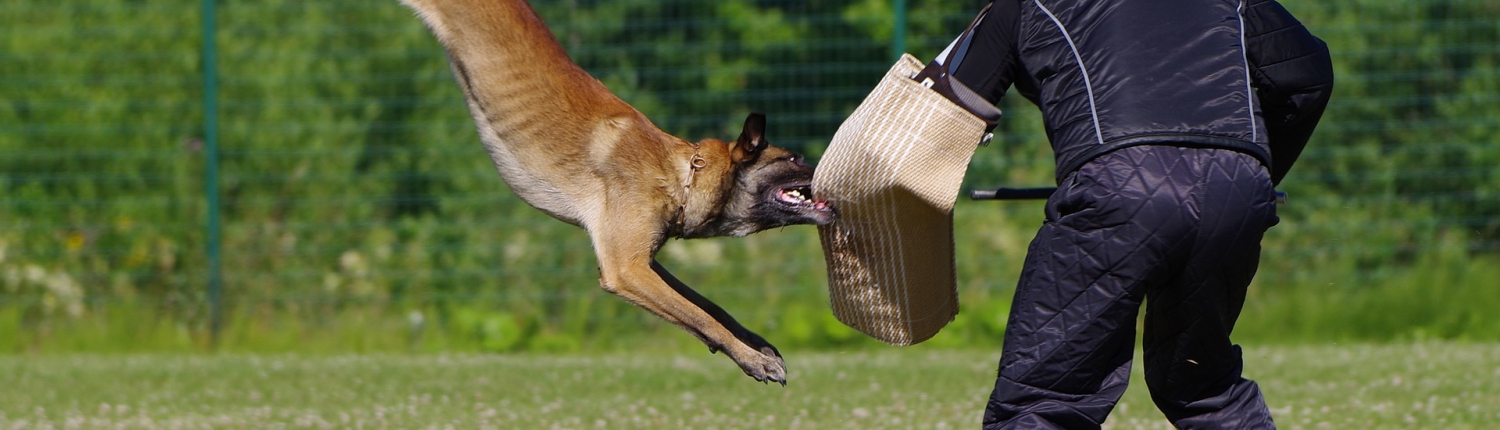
(989, 67)
(1293, 76)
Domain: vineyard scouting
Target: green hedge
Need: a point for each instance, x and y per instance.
(360, 213)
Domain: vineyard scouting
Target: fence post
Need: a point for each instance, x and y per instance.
(211, 170)
(898, 42)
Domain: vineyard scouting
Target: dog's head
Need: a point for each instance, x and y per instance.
(769, 186)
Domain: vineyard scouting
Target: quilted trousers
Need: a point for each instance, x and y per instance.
(1176, 228)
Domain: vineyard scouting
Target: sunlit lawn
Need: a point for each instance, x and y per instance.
(1427, 385)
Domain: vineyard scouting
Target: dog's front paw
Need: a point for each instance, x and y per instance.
(765, 365)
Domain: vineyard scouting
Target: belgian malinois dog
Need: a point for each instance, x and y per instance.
(568, 146)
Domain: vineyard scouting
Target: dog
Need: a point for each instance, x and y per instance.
(568, 146)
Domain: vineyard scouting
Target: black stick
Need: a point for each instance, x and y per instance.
(1042, 193)
(1013, 193)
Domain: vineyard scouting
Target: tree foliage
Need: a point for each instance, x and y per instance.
(353, 179)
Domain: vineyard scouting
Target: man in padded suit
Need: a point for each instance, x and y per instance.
(1171, 121)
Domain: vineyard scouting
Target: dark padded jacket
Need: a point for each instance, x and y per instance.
(1108, 74)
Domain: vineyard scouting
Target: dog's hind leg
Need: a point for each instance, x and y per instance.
(632, 275)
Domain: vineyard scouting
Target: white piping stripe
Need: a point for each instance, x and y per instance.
(1087, 85)
(1239, 12)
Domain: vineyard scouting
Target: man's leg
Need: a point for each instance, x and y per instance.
(1061, 368)
(1192, 368)
(1113, 229)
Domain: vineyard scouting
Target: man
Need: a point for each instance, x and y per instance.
(1171, 120)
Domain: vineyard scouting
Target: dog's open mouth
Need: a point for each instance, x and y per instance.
(801, 197)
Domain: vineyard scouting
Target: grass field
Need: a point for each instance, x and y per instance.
(1410, 386)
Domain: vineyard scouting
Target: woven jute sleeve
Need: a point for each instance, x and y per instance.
(893, 171)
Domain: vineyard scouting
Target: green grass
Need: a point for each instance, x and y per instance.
(1397, 386)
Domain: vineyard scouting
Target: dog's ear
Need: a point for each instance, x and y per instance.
(753, 137)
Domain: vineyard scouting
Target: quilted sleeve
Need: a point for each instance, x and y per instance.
(991, 63)
(1293, 76)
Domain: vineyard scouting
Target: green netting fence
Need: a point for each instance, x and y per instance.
(357, 211)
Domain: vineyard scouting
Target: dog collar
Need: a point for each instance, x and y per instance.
(694, 165)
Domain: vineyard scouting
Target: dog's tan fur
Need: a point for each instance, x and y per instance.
(568, 146)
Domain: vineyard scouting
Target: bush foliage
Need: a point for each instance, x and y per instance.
(360, 213)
